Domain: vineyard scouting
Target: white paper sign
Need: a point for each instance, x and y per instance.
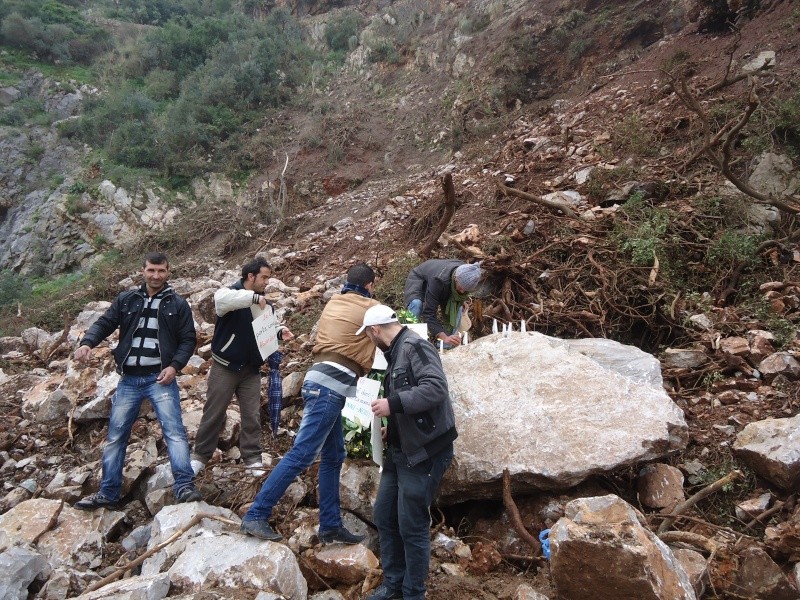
(420, 328)
(359, 409)
(379, 362)
(266, 329)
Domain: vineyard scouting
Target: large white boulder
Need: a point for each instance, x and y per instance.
(553, 412)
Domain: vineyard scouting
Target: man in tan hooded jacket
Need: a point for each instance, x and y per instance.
(340, 356)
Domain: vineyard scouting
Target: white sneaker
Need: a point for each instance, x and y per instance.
(197, 466)
(255, 468)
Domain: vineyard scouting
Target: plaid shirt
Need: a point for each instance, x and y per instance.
(275, 391)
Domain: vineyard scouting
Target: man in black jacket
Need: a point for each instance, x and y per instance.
(441, 284)
(156, 340)
(420, 433)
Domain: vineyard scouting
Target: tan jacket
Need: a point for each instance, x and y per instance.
(337, 341)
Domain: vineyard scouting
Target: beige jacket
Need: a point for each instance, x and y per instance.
(337, 341)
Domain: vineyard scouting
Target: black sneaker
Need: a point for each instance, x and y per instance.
(95, 501)
(339, 536)
(188, 494)
(260, 529)
(384, 593)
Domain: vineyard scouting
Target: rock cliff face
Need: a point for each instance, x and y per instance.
(49, 222)
(35, 168)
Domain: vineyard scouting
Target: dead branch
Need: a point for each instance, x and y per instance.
(733, 284)
(692, 539)
(690, 502)
(766, 514)
(50, 350)
(516, 519)
(449, 211)
(507, 191)
(722, 159)
(140, 559)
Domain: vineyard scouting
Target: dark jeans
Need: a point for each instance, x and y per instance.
(402, 516)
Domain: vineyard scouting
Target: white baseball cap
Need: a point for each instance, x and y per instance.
(380, 314)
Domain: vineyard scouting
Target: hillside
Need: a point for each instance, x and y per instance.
(573, 134)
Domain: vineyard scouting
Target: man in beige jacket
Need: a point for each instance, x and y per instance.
(340, 357)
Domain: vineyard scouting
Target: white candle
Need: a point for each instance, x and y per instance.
(494, 325)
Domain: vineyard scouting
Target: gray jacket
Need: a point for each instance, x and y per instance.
(421, 420)
(430, 282)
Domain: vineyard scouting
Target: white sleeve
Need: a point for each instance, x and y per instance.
(226, 300)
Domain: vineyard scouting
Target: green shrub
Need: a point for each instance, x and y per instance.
(389, 288)
(12, 287)
(471, 24)
(578, 48)
(53, 30)
(733, 248)
(642, 237)
(342, 29)
(383, 50)
(574, 18)
(161, 84)
(635, 137)
(34, 152)
(787, 123)
(74, 205)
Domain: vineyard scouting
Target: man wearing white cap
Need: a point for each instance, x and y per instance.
(441, 284)
(420, 432)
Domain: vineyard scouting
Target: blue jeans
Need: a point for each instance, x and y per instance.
(166, 400)
(321, 435)
(402, 516)
(415, 307)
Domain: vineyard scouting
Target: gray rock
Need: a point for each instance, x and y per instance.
(19, 566)
(601, 550)
(552, 413)
(769, 447)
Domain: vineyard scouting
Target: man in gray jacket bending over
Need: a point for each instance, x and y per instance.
(420, 433)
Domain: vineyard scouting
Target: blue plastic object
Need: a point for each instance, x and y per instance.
(544, 538)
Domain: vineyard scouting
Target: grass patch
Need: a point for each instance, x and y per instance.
(47, 303)
(18, 60)
(389, 288)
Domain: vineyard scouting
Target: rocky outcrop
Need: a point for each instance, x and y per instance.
(553, 412)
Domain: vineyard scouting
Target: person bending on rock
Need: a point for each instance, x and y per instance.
(156, 340)
(445, 284)
(339, 358)
(236, 367)
(419, 434)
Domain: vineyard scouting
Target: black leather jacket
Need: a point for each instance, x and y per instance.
(421, 419)
(176, 334)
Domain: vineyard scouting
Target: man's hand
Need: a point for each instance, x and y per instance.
(450, 340)
(82, 353)
(166, 376)
(380, 407)
(262, 302)
(286, 335)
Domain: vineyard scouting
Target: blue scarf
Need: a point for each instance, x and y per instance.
(352, 287)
